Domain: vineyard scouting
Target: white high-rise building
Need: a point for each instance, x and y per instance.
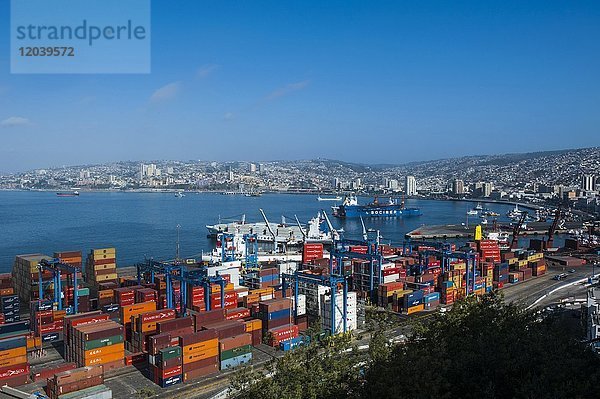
(410, 185)
(588, 182)
(252, 168)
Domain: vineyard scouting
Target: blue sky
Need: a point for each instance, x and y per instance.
(383, 81)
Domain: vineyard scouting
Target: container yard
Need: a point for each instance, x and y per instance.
(178, 324)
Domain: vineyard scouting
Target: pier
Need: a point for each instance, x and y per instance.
(436, 232)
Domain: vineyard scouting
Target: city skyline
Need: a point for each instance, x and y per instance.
(406, 82)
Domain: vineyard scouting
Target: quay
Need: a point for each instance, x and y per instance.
(435, 232)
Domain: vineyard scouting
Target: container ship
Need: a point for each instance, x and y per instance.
(70, 194)
(351, 209)
(318, 229)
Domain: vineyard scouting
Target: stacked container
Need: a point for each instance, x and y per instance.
(166, 366)
(257, 295)
(70, 322)
(127, 312)
(101, 266)
(311, 251)
(195, 298)
(99, 343)
(145, 325)
(276, 313)
(25, 275)
(234, 351)
(326, 315)
(254, 328)
(14, 369)
(10, 309)
(200, 353)
(279, 334)
(74, 380)
(73, 258)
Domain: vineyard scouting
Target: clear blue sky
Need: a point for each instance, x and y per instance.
(382, 81)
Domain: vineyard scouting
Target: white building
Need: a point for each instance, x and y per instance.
(410, 185)
(588, 182)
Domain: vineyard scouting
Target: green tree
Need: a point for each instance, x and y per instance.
(485, 348)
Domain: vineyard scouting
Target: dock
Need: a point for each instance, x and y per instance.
(436, 232)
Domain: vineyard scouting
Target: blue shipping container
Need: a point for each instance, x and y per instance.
(280, 314)
(434, 296)
(167, 382)
(236, 361)
(291, 343)
(12, 343)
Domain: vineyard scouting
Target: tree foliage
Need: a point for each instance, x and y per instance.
(482, 348)
(486, 348)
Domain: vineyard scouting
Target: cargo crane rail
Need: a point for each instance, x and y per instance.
(331, 281)
(56, 267)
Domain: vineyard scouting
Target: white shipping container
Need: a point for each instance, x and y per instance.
(389, 265)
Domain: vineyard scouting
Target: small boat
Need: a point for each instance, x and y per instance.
(319, 198)
(71, 194)
(479, 207)
(179, 194)
(515, 213)
(472, 212)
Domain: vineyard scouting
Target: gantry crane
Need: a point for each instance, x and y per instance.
(56, 267)
(331, 281)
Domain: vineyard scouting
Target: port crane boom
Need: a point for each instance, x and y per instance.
(517, 230)
(552, 230)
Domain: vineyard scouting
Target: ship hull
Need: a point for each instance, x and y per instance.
(366, 211)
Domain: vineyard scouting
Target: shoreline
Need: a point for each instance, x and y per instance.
(221, 192)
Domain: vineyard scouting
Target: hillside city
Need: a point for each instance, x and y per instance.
(568, 175)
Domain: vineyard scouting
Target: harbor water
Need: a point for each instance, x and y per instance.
(145, 224)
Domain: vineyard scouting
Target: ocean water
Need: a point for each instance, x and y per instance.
(145, 224)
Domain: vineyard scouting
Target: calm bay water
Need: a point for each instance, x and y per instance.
(144, 224)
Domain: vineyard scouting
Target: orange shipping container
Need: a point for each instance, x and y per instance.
(7, 291)
(8, 354)
(105, 294)
(14, 361)
(200, 346)
(104, 351)
(253, 325)
(34, 342)
(195, 357)
(415, 309)
(136, 309)
(112, 357)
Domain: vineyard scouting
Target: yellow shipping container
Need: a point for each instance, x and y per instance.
(105, 267)
(104, 277)
(16, 352)
(99, 253)
(253, 325)
(512, 261)
(459, 266)
(11, 361)
(415, 309)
